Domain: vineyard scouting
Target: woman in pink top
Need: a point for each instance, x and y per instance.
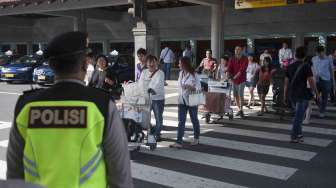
(208, 64)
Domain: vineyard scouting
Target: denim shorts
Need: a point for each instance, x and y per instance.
(238, 90)
(250, 84)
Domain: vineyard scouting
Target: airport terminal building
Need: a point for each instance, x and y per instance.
(27, 25)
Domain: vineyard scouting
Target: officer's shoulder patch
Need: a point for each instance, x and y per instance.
(58, 117)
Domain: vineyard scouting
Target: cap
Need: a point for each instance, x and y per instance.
(65, 44)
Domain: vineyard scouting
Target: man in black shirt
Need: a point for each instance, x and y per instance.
(296, 89)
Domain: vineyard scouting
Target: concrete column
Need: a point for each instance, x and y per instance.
(216, 30)
(80, 22)
(250, 45)
(106, 47)
(140, 39)
(13, 47)
(193, 45)
(298, 40)
(30, 47)
(323, 40)
(153, 45)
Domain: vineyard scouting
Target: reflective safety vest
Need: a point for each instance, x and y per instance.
(63, 144)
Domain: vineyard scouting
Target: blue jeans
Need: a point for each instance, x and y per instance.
(182, 115)
(158, 107)
(167, 67)
(324, 88)
(300, 110)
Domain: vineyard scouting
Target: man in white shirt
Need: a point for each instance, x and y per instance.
(324, 75)
(188, 53)
(263, 55)
(285, 55)
(168, 58)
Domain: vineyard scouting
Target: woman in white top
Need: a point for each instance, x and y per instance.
(188, 82)
(251, 78)
(152, 80)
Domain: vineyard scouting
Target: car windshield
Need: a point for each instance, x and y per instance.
(26, 59)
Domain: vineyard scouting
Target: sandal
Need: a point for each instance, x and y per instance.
(176, 145)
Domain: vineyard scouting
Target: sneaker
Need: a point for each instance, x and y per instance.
(195, 142)
(238, 113)
(165, 84)
(294, 140)
(241, 114)
(158, 139)
(300, 138)
(260, 113)
(176, 145)
(306, 122)
(322, 115)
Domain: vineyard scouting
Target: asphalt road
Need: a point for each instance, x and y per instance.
(249, 152)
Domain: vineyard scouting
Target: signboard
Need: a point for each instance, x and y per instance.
(245, 4)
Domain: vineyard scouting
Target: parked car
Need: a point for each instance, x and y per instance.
(123, 66)
(21, 69)
(43, 74)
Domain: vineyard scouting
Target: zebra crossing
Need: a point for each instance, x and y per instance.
(238, 154)
(213, 136)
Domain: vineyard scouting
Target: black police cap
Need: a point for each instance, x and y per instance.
(66, 44)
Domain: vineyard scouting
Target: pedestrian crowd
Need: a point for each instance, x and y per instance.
(242, 70)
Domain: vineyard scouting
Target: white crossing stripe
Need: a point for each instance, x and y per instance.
(328, 107)
(282, 126)
(9, 93)
(4, 143)
(171, 95)
(175, 179)
(3, 169)
(258, 148)
(257, 134)
(5, 124)
(252, 167)
(272, 136)
(245, 146)
(328, 122)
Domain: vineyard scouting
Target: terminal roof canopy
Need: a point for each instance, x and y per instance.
(19, 7)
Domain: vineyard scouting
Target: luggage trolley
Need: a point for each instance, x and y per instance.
(218, 100)
(135, 113)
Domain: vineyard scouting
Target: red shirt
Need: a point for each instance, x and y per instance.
(238, 65)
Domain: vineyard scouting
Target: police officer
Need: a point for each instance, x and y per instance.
(68, 135)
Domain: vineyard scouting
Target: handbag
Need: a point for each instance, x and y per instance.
(196, 98)
(132, 89)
